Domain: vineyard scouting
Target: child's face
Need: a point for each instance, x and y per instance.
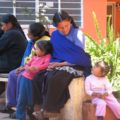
(96, 70)
(38, 52)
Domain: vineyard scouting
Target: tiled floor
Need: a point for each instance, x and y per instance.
(4, 116)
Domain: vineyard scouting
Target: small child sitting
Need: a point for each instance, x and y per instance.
(99, 88)
(40, 61)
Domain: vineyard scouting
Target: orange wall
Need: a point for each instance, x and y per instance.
(100, 9)
(117, 17)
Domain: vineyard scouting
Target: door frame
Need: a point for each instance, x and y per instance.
(113, 4)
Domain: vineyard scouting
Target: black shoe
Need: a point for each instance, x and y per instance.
(6, 109)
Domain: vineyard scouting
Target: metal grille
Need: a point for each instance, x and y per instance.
(25, 10)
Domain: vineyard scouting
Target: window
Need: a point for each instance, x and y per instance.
(73, 7)
(25, 10)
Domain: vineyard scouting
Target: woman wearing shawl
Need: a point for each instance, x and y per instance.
(50, 87)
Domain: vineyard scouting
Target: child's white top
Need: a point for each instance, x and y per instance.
(97, 84)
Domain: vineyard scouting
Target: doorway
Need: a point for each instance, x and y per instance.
(111, 12)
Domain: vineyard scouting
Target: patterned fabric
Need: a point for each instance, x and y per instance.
(71, 70)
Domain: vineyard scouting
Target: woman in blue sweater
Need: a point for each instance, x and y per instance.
(69, 60)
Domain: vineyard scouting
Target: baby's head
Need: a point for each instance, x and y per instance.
(43, 47)
(100, 69)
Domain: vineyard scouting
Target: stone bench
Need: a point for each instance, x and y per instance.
(76, 107)
(89, 112)
(73, 108)
(3, 77)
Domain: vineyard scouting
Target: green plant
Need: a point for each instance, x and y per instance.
(107, 49)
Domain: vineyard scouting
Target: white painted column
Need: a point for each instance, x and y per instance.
(37, 3)
(14, 7)
(59, 5)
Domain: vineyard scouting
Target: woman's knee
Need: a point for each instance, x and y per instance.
(12, 73)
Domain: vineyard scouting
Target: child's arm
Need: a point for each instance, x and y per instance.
(38, 67)
(108, 88)
(88, 86)
(28, 64)
(88, 89)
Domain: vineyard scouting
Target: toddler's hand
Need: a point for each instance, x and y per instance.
(98, 95)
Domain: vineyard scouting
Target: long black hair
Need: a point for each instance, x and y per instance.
(63, 15)
(9, 18)
(38, 29)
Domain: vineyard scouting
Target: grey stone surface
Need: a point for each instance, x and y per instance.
(4, 116)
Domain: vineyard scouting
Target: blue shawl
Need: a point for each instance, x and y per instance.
(27, 51)
(66, 50)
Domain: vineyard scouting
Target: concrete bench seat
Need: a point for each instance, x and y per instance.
(89, 112)
(3, 77)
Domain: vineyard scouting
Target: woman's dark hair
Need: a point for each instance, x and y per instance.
(13, 20)
(63, 15)
(104, 67)
(45, 46)
(37, 29)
